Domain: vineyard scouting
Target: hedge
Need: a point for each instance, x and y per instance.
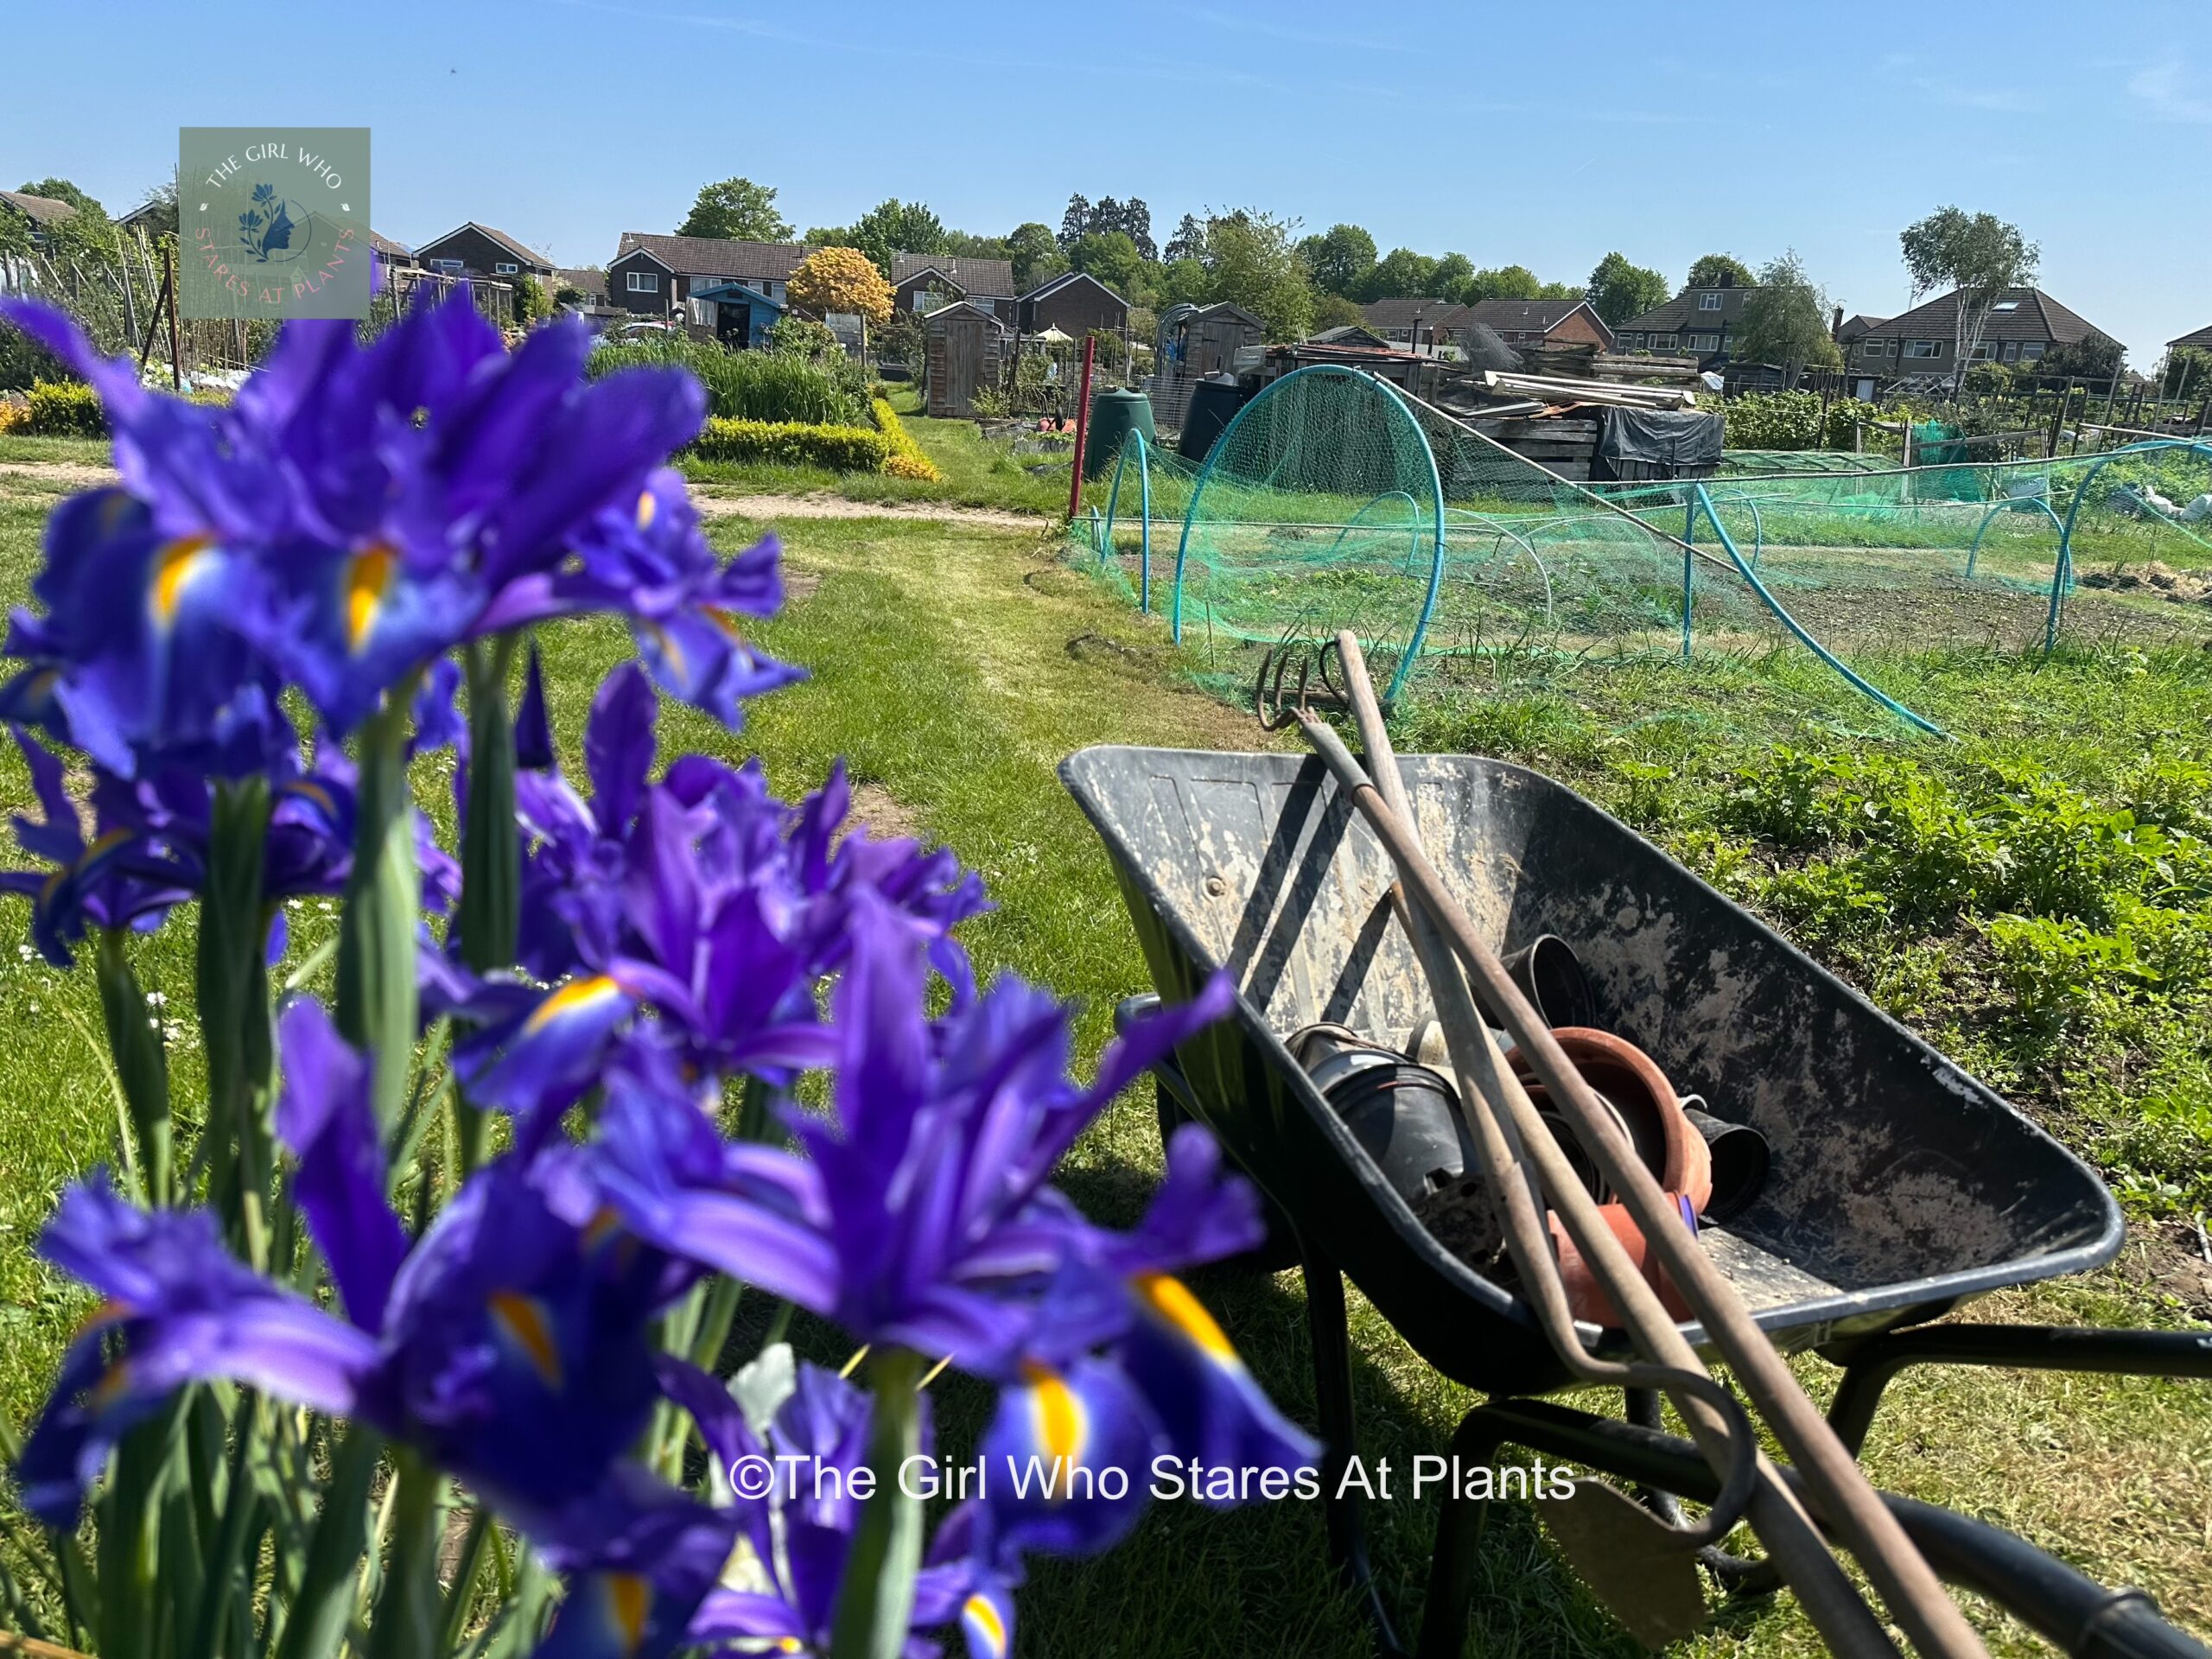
(842, 449)
(906, 459)
(64, 409)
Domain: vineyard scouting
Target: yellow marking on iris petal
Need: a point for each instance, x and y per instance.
(108, 1312)
(724, 621)
(854, 1363)
(978, 1611)
(307, 789)
(175, 566)
(1063, 1424)
(523, 1319)
(604, 1220)
(667, 645)
(629, 1599)
(42, 683)
(574, 995)
(646, 508)
(1171, 1298)
(107, 844)
(368, 574)
(112, 1382)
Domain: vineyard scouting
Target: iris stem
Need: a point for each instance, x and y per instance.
(876, 1603)
(490, 914)
(376, 936)
(232, 981)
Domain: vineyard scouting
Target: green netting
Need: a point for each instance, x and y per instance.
(1335, 501)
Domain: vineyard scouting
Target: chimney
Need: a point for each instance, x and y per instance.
(1835, 328)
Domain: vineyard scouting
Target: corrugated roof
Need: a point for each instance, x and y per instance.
(2031, 315)
(992, 278)
(41, 210)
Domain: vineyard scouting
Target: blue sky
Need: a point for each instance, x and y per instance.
(1539, 134)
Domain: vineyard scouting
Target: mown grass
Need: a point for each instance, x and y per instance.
(976, 473)
(953, 668)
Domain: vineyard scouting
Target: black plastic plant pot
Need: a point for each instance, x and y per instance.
(1897, 1186)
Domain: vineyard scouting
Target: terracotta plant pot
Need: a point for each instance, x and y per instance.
(1638, 1091)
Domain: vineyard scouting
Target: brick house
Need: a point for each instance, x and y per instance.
(987, 284)
(1697, 322)
(2024, 323)
(1074, 304)
(1543, 322)
(654, 276)
(1434, 320)
(476, 250)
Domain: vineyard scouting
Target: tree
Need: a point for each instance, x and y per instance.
(736, 209)
(892, 227)
(2094, 357)
(2188, 372)
(842, 279)
(1334, 311)
(1074, 224)
(1449, 276)
(1112, 258)
(531, 303)
(1786, 321)
(1034, 254)
(1182, 281)
(1562, 291)
(1254, 263)
(1619, 290)
(1721, 271)
(1340, 258)
(1400, 274)
(1978, 254)
(1188, 241)
(62, 190)
(1501, 282)
(159, 204)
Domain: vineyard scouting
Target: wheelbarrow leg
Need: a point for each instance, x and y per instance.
(1458, 1542)
(1346, 1520)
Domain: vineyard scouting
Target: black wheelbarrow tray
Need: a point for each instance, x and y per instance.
(1900, 1186)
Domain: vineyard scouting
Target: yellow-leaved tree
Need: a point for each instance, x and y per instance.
(842, 279)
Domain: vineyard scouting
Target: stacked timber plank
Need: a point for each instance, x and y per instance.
(1557, 390)
(1559, 444)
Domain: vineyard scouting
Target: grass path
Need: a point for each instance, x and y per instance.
(954, 666)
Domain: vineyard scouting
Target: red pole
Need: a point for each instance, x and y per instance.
(1082, 425)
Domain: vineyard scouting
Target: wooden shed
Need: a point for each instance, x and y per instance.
(965, 346)
(1202, 341)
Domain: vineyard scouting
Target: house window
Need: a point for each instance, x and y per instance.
(1708, 302)
(1630, 342)
(1705, 342)
(2012, 351)
(1923, 348)
(644, 282)
(506, 268)
(1871, 348)
(451, 267)
(1984, 351)
(2005, 305)
(2032, 350)
(1663, 342)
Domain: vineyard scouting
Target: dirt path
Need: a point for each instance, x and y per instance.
(71, 475)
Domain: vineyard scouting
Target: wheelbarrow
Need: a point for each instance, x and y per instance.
(1899, 1185)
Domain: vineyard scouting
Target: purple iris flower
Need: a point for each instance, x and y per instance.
(508, 1343)
(783, 1585)
(114, 880)
(702, 897)
(1168, 1382)
(356, 512)
(639, 1559)
(142, 651)
(149, 848)
(922, 1216)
